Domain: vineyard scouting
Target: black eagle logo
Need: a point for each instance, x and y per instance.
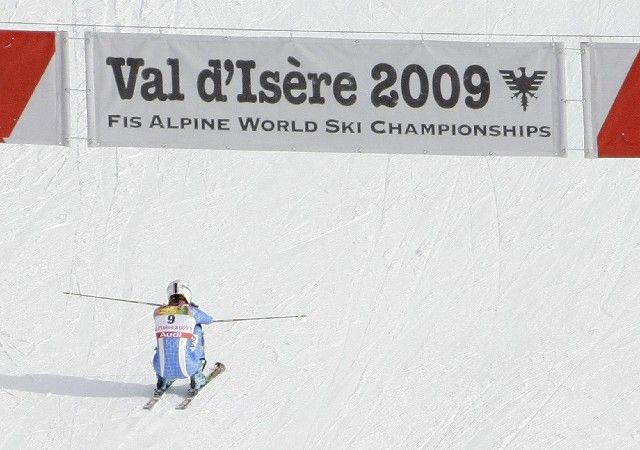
(523, 86)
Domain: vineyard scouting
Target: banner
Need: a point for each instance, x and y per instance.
(611, 85)
(335, 95)
(33, 94)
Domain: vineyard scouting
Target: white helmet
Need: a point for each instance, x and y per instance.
(177, 287)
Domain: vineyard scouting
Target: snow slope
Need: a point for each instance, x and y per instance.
(453, 302)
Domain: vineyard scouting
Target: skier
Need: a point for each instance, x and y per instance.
(180, 349)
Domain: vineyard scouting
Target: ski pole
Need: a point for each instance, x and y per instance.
(260, 318)
(298, 316)
(112, 298)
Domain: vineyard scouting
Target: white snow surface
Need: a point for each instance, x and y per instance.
(453, 302)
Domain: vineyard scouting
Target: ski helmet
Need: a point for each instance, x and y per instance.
(178, 287)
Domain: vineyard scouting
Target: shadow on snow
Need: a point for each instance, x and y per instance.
(73, 386)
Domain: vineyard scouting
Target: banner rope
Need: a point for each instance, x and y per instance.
(418, 34)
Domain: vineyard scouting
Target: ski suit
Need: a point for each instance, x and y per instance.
(180, 340)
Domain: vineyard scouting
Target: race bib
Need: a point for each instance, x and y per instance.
(174, 322)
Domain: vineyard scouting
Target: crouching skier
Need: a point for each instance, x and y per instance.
(180, 349)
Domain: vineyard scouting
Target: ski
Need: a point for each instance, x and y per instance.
(218, 368)
(157, 395)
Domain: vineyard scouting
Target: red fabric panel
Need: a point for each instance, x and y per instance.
(619, 137)
(24, 56)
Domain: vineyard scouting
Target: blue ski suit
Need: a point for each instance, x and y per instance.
(180, 340)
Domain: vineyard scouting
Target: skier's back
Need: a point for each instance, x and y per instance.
(180, 349)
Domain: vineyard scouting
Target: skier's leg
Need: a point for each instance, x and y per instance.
(200, 353)
(198, 379)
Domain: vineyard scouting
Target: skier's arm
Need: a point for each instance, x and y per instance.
(201, 317)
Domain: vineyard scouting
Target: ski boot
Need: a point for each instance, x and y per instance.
(163, 384)
(198, 379)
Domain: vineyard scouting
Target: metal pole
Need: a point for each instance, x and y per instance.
(261, 318)
(114, 299)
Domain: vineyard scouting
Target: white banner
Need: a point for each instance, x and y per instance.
(611, 85)
(33, 87)
(335, 95)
